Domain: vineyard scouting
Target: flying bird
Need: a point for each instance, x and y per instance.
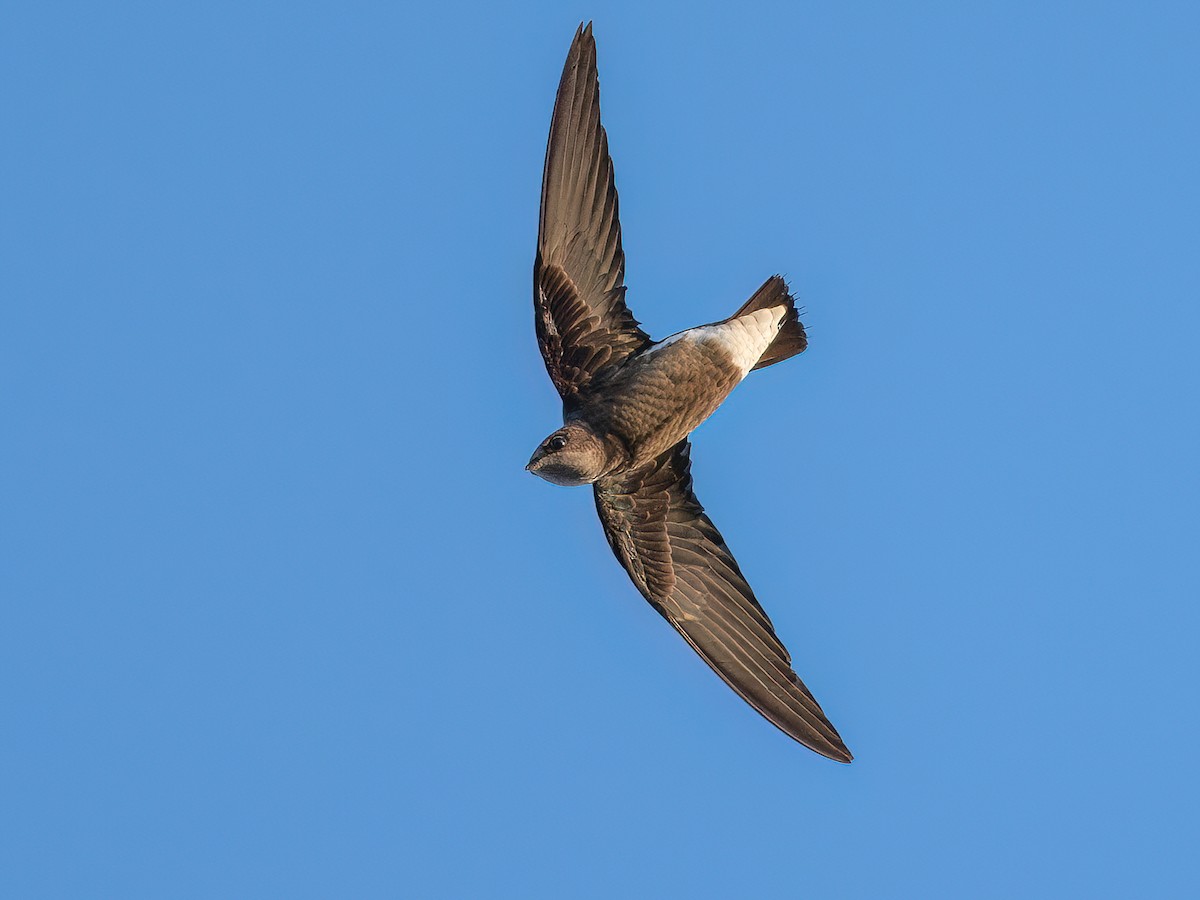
(629, 404)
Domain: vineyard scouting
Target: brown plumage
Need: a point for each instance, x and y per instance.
(629, 404)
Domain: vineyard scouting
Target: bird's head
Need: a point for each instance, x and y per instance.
(572, 455)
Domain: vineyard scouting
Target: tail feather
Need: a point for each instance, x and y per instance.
(791, 338)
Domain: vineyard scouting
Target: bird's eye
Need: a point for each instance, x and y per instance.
(557, 443)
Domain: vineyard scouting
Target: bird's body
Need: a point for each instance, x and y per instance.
(660, 395)
(630, 404)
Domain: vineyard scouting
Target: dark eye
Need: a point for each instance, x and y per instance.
(556, 443)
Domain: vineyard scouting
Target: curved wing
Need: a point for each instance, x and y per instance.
(581, 319)
(678, 560)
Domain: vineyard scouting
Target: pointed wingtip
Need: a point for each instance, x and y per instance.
(845, 757)
(583, 39)
(827, 743)
(830, 744)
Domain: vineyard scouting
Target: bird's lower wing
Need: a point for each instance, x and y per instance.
(678, 560)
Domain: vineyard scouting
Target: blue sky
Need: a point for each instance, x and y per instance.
(283, 615)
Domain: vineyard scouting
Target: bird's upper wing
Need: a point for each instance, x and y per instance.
(678, 560)
(583, 325)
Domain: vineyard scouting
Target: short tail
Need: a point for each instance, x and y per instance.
(791, 338)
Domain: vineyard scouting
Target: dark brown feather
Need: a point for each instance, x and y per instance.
(678, 560)
(582, 322)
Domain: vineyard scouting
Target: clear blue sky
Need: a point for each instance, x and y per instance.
(284, 617)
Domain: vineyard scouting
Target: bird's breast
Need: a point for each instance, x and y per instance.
(661, 396)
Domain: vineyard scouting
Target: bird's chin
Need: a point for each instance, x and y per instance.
(557, 475)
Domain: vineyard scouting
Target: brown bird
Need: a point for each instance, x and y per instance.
(629, 404)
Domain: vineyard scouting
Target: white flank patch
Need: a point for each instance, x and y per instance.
(745, 338)
(666, 342)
